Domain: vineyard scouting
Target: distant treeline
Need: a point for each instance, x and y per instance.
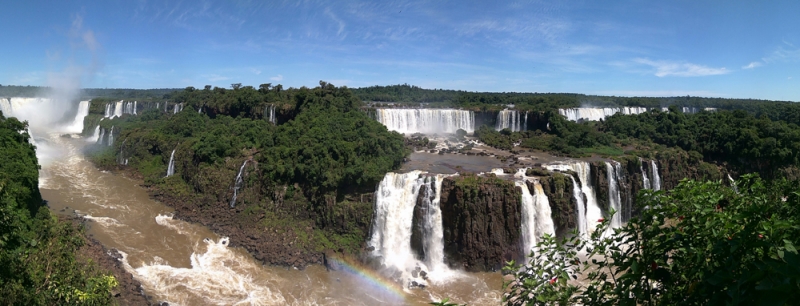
(405, 94)
(87, 93)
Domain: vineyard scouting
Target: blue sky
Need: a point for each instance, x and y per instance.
(738, 49)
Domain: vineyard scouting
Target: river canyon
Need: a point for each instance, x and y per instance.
(432, 235)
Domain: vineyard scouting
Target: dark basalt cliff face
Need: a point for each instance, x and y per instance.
(481, 220)
(558, 188)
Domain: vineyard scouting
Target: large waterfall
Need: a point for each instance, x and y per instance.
(117, 109)
(593, 212)
(596, 114)
(537, 219)
(614, 199)
(395, 200)
(426, 121)
(511, 119)
(77, 124)
(171, 168)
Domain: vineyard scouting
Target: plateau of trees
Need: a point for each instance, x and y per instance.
(38, 263)
(702, 243)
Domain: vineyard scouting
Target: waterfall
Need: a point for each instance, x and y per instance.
(118, 109)
(510, 119)
(597, 114)
(430, 121)
(544, 216)
(77, 124)
(528, 219)
(537, 219)
(645, 179)
(434, 240)
(111, 137)
(395, 200)
(96, 135)
(134, 107)
(593, 212)
(656, 177)
(5, 107)
(171, 169)
(578, 195)
(236, 183)
(614, 199)
(269, 113)
(102, 135)
(177, 108)
(525, 122)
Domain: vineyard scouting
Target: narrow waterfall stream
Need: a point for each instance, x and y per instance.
(614, 199)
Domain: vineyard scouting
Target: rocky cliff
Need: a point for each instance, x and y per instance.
(481, 221)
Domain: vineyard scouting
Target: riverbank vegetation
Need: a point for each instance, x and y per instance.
(38, 262)
(310, 173)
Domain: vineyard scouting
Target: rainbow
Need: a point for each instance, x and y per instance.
(382, 286)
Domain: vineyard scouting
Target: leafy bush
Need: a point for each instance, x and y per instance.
(704, 243)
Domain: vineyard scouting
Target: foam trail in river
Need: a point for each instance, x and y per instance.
(217, 276)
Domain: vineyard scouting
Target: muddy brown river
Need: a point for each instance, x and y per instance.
(187, 264)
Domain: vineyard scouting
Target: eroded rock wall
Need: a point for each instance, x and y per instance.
(481, 220)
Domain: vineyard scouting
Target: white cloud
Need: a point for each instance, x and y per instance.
(255, 71)
(752, 65)
(277, 78)
(684, 69)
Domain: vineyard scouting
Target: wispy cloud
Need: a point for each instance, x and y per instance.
(752, 65)
(277, 78)
(684, 69)
(338, 21)
(215, 77)
(255, 71)
(783, 54)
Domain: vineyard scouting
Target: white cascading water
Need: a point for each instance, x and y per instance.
(269, 113)
(537, 219)
(171, 167)
(614, 199)
(237, 183)
(118, 108)
(645, 179)
(593, 212)
(511, 119)
(426, 121)
(76, 126)
(109, 111)
(391, 231)
(597, 114)
(94, 136)
(528, 219)
(656, 177)
(111, 137)
(5, 107)
(101, 138)
(581, 220)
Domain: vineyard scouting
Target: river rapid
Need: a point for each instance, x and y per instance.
(186, 264)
